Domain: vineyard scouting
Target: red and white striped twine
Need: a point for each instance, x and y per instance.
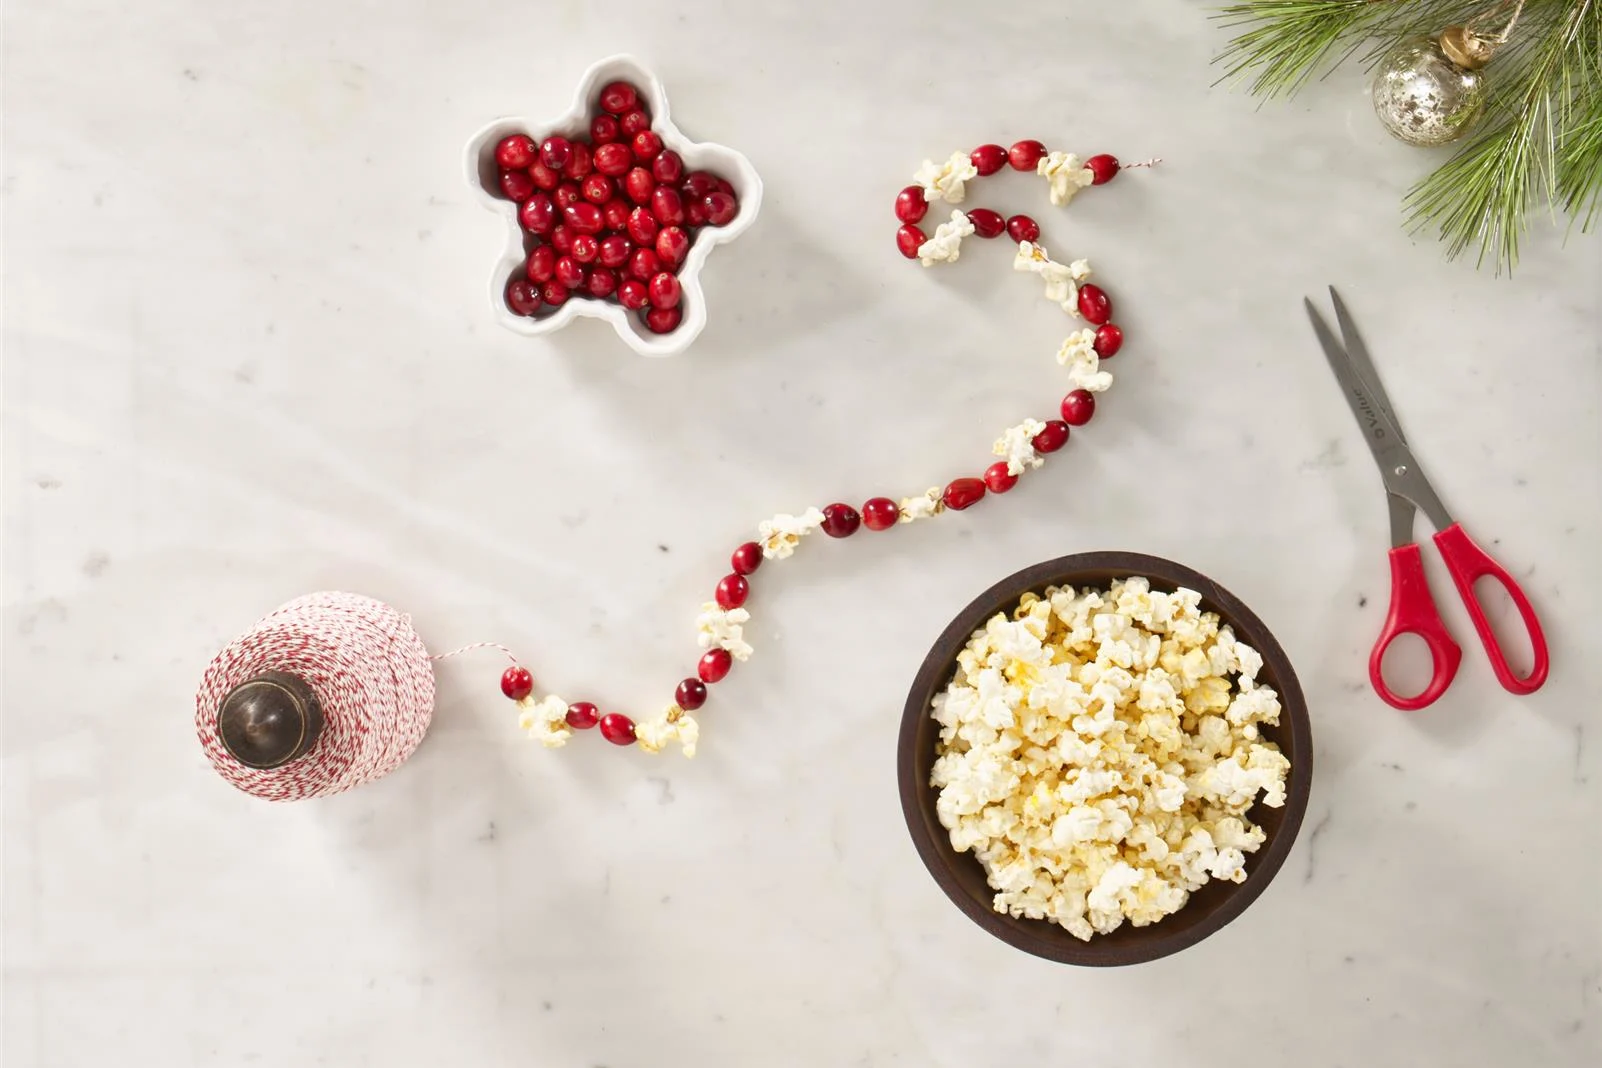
(370, 672)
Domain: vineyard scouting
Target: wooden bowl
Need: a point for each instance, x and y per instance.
(961, 876)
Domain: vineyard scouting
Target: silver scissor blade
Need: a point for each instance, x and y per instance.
(1362, 362)
(1398, 468)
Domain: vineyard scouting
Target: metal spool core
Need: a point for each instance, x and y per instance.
(269, 720)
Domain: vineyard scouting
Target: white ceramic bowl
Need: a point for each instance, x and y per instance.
(482, 175)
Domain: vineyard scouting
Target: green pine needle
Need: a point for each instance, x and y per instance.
(1542, 133)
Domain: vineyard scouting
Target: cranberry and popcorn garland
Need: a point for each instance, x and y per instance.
(1021, 448)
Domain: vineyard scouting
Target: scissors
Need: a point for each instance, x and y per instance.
(1413, 610)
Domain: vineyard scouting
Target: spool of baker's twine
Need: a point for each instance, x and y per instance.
(330, 691)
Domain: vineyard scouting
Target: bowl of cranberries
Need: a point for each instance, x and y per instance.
(611, 212)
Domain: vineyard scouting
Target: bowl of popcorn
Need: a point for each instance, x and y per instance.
(1104, 759)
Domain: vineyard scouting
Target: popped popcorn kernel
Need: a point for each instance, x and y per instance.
(1099, 754)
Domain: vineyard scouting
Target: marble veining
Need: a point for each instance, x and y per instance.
(246, 356)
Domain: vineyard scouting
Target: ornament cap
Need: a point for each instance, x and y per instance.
(1466, 48)
(270, 719)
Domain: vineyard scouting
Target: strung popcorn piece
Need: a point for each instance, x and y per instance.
(782, 533)
(1062, 286)
(945, 245)
(945, 181)
(1078, 354)
(1016, 446)
(1066, 174)
(1183, 684)
(672, 725)
(924, 506)
(723, 628)
(545, 720)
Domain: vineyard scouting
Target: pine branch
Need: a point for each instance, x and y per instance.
(1482, 193)
(1579, 164)
(1289, 40)
(1543, 131)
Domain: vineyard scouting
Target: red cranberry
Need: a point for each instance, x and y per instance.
(567, 193)
(667, 205)
(998, 479)
(841, 520)
(1023, 228)
(632, 294)
(544, 178)
(633, 122)
(579, 164)
(1094, 304)
(516, 682)
(732, 591)
(1078, 407)
(618, 97)
(986, 223)
(542, 263)
(642, 226)
(596, 188)
(668, 166)
(569, 273)
(747, 558)
(615, 250)
(515, 153)
(963, 493)
(517, 185)
(615, 214)
(714, 665)
(647, 145)
(613, 158)
(554, 293)
(604, 130)
(645, 264)
(725, 186)
(562, 238)
(1054, 437)
(690, 695)
(909, 239)
(638, 185)
(585, 248)
(1025, 154)
(555, 152)
(617, 728)
(537, 214)
(720, 208)
(583, 715)
(696, 214)
(698, 185)
(911, 204)
(672, 245)
(1104, 167)
(665, 291)
(880, 513)
(523, 296)
(601, 282)
(1109, 339)
(583, 217)
(988, 159)
(662, 320)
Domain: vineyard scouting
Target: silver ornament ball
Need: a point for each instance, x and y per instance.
(1423, 97)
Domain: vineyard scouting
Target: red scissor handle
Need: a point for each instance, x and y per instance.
(1413, 611)
(1468, 563)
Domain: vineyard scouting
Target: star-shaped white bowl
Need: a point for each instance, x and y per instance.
(482, 175)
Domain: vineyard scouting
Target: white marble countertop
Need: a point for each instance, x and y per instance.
(247, 356)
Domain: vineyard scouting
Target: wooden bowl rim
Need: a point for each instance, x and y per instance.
(1042, 938)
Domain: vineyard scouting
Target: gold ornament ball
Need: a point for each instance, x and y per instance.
(1423, 97)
